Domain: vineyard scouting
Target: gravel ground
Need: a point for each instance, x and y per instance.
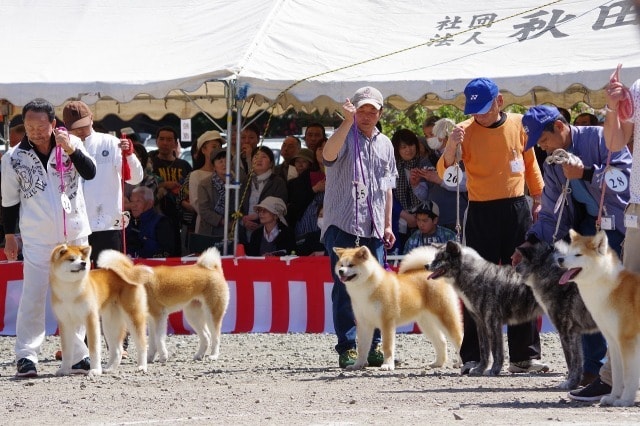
(292, 379)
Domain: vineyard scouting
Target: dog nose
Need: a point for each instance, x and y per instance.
(83, 264)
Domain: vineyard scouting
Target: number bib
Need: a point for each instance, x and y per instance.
(359, 191)
(66, 203)
(616, 180)
(452, 176)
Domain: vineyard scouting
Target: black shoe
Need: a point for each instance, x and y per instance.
(26, 368)
(81, 367)
(596, 390)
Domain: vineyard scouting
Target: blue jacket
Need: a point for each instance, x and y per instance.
(588, 144)
(150, 235)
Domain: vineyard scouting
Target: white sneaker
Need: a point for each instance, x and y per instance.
(529, 366)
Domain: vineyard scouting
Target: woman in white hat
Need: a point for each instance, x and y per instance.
(206, 144)
(273, 237)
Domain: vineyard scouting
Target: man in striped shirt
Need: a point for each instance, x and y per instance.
(361, 172)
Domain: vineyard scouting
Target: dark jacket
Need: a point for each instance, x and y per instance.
(151, 235)
(284, 243)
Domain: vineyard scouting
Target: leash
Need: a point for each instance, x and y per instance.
(458, 225)
(122, 183)
(60, 168)
(560, 156)
(603, 187)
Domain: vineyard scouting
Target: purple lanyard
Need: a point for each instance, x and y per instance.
(357, 159)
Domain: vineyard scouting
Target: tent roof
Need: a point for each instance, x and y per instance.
(128, 57)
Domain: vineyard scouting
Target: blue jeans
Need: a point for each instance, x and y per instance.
(343, 319)
(594, 346)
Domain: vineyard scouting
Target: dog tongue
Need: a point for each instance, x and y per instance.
(569, 275)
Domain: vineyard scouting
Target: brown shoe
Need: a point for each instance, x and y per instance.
(58, 355)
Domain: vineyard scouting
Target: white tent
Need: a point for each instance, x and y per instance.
(127, 57)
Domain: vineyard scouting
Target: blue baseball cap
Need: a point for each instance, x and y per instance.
(535, 120)
(479, 95)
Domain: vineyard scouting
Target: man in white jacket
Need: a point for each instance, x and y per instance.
(103, 194)
(42, 184)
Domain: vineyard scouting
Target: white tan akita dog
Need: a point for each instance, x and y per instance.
(612, 295)
(80, 297)
(386, 300)
(200, 291)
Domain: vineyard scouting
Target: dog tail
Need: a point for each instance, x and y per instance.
(210, 259)
(418, 258)
(124, 267)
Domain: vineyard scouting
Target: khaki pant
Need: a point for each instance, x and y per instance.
(631, 261)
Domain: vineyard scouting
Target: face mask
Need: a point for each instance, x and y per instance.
(321, 222)
(434, 143)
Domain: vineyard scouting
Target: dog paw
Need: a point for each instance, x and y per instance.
(142, 368)
(622, 403)
(608, 400)
(457, 364)
(198, 357)
(63, 372)
(354, 367)
(438, 365)
(387, 367)
(568, 385)
(95, 372)
(494, 372)
(476, 371)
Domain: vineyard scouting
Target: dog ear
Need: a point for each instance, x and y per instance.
(453, 248)
(58, 251)
(338, 251)
(601, 243)
(525, 251)
(363, 253)
(86, 251)
(573, 234)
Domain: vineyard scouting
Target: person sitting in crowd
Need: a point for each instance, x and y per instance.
(149, 232)
(249, 139)
(260, 184)
(290, 147)
(309, 244)
(586, 119)
(273, 237)
(149, 179)
(444, 194)
(308, 223)
(427, 131)
(428, 231)
(406, 149)
(173, 171)
(299, 189)
(314, 135)
(208, 142)
(211, 198)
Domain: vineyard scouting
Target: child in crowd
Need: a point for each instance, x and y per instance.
(428, 231)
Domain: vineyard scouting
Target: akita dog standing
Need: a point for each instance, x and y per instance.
(562, 303)
(80, 297)
(493, 294)
(200, 290)
(612, 295)
(385, 300)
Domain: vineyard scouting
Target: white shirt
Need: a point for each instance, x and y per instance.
(103, 194)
